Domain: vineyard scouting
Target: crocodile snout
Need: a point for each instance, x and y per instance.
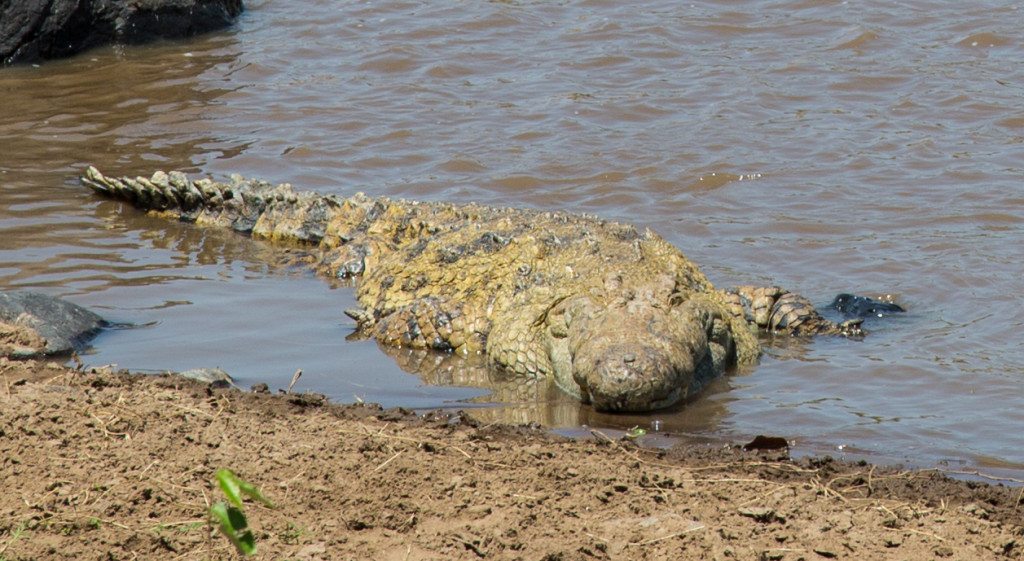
(634, 379)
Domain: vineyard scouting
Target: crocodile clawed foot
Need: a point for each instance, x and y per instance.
(851, 328)
(362, 317)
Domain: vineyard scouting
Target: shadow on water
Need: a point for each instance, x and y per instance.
(63, 115)
(154, 117)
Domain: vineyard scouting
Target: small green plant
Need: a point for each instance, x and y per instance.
(635, 432)
(186, 528)
(230, 518)
(291, 534)
(15, 536)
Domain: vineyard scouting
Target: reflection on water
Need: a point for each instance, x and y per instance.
(513, 399)
(826, 148)
(110, 108)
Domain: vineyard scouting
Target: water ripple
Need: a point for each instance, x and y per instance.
(825, 147)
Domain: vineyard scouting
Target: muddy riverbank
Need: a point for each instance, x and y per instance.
(102, 465)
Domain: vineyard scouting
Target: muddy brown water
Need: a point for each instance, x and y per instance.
(873, 147)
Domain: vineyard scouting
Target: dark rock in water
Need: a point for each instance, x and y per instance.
(34, 30)
(762, 442)
(851, 305)
(62, 325)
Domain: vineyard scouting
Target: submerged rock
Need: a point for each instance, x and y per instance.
(215, 377)
(34, 30)
(34, 325)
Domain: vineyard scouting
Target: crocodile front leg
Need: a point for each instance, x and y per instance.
(776, 310)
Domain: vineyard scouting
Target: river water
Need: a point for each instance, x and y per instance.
(873, 147)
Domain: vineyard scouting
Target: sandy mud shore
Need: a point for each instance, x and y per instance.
(105, 465)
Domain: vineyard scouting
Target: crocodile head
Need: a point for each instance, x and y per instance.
(645, 350)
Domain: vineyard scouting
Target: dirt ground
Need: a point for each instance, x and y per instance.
(103, 465)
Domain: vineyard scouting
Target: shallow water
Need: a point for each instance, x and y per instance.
(825, 147)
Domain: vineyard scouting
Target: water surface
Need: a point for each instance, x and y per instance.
(823, 146)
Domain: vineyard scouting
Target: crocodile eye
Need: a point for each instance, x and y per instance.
(524, 270)
(675, 299)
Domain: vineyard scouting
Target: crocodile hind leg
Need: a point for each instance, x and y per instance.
(428, 323)
(777, 310)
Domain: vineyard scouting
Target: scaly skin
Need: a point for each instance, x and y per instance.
(619, 318)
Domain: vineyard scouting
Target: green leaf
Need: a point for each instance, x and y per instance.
(253, 493)
(234, 487)
(232, 523)
(229, 483)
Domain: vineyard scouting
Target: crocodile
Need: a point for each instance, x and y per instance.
(615, 316)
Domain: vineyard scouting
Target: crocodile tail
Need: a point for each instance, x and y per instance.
(161, 192)
(249, 206)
